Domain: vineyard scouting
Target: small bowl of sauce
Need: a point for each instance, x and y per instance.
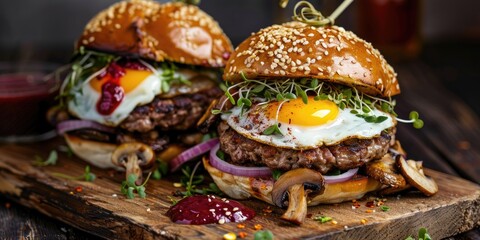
(27, 91)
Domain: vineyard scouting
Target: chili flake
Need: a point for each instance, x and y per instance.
(241, 226)
(258, 227)
(242, 234)
(78, 189)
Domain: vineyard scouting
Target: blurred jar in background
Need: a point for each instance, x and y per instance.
(392, 26)
(26, 93)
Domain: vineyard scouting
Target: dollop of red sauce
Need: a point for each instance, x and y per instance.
(201, 209)
(112, 92)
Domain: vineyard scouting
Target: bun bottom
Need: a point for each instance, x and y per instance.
(99, 154)
(239, 187)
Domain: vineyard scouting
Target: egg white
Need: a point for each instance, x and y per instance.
(85, 98)
(254, 121)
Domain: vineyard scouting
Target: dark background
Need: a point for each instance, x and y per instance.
(449, 31)
(27, 25)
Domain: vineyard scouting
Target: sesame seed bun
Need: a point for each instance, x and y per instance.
(173, 31)
(297, 50)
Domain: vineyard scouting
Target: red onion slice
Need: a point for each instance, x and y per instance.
(70, 125)
(342, 177)
(192, 153)
(237, 170)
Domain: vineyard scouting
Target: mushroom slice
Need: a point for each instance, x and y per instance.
(134, 157)
(293, 188)
(385, 171)
(413, 171)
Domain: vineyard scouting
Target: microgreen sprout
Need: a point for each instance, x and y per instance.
(88, 64)
(306, 12)
(51, 159)
(190, 181)
(276, 174)
(86, 176)
(161, 170)
(414, 118)
(251, 91)
(129, 187)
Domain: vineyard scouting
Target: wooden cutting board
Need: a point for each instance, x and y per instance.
(102, 210)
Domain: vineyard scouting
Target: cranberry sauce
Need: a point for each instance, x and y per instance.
(208, 209)
(112, 92)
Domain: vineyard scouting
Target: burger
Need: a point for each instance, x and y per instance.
(142, 75)
(308, 118)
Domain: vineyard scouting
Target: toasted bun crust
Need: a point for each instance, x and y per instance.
(297, 50)
(239, 187)
(173, 31)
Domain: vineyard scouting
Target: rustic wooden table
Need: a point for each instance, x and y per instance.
(440, 85)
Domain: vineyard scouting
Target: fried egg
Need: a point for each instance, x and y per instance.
(139, 87)
(304, 126)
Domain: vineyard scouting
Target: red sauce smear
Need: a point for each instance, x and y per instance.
(112, 92)
(203, 209)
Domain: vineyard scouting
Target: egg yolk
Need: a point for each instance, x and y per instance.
(296, 112)
(129, 81)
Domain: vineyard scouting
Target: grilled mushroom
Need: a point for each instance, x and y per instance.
(413, 171)
(134, 157)
(385, 171)
(293, 188)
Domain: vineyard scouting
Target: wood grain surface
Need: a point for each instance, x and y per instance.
(102, 210)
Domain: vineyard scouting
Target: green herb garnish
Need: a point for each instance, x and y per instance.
(385, 208)
(88, 64)
(190, 181)
(273, 130)
(86, 176)
(129, 187)
(251, 91)
(322, 219)
(263, 235)
(161, 170)
(51, 159)
(422, 235)
(276, 174)
(85, 65)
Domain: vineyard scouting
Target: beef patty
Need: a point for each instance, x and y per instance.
(178, 113)
(345, 155)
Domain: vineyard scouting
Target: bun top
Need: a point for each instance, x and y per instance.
(175, 32)
(297, 50)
